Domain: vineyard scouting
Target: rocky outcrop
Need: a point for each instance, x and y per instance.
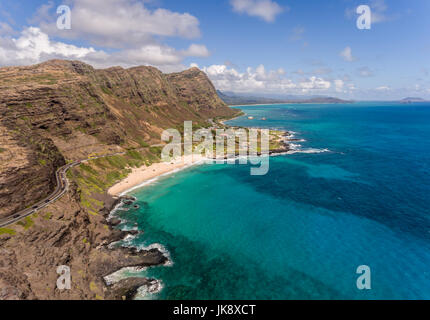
(127, 289)
(61, 111)
(66, 234)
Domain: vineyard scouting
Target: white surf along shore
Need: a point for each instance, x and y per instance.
(147, 174)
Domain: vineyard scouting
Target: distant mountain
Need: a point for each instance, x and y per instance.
(412, 100)
(232, 98)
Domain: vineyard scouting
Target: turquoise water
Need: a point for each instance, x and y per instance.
(301, 231)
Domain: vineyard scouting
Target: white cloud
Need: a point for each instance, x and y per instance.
(346, 54)
(264, 9)
(383, 88)
(339, 85)
(314, 83)
(34, 46)
(149, 54)
(196, 50)
(126, 26)
(156, 55)
(260, 80)
(118, 23)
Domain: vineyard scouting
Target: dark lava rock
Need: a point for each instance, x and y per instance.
(127, 200)
(126, 289)
(114, 222)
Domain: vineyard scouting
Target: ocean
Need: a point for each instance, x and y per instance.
(356, 191)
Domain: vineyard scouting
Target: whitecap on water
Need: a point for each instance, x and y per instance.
(121, 274)
(147, 292)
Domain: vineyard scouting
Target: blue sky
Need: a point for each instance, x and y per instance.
(307, 47)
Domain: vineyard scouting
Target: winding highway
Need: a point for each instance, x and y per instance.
(60, 190)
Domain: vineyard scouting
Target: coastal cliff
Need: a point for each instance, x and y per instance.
(62, 111)
(67, 110)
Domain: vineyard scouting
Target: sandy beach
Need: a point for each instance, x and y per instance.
(140, 175)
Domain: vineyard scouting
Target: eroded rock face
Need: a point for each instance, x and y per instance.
(67, 236)
(62, 111)
(27, 169)
(127, 289)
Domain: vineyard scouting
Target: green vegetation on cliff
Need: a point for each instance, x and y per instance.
(60, 111)
(7, 231)
(96, 176)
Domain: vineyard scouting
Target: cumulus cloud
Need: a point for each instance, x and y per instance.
(260, 80)
(263, 9)
(34, 46)
(118, 23)
(346, 54)
(156, 55)
(126, 32)
(196, 50)
(314, 83)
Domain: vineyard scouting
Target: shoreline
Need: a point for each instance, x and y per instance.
(134, 286)
(141, 176)
(144, 175)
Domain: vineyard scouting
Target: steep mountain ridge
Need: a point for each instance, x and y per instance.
(59, 111)
(67, 110)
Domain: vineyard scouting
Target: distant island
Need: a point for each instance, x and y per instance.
(231, 98)
(412, 100)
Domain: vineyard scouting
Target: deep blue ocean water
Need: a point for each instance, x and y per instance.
(301, 231)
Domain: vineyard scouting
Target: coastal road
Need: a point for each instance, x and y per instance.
(60, 190)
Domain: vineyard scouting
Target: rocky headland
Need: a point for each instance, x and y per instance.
(62, 111)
